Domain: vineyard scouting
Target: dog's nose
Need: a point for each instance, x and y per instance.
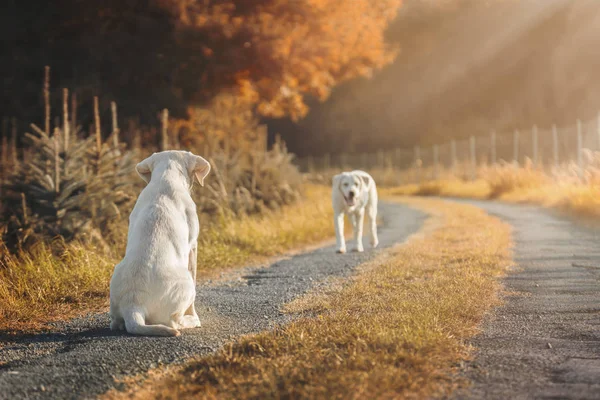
(351, 194)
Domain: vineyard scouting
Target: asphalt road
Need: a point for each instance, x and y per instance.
(544, 342)
(83, 358)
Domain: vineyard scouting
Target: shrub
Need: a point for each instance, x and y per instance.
(508, 177)
(73, 189)
(249, 183)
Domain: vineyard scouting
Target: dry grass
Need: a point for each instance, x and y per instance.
(397, 330)
(237, 240)
(41, 286)
(450, 187)
(564, 187)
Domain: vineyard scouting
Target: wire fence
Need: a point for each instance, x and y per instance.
(543, 148)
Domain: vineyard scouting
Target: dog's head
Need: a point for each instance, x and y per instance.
(351, 185)
(189, 166)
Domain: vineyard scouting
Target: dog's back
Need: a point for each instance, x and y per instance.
(153, 279)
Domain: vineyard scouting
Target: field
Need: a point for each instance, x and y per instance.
(564, 188)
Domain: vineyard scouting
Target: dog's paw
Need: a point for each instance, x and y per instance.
(375, 243)
(117, 325)
(341, 251)
(194, 322)
(358, 250)
(189, 321)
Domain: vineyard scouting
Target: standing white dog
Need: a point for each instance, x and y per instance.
(353, 193)
(152, 290)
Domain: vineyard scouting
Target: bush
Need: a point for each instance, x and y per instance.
(507, 177)
(249, 183)
(74, 189)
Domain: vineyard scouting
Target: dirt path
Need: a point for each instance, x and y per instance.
(544, 342)
(83, 358)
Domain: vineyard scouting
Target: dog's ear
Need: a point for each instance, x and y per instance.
(144, 169)
(366, 180)
(335, 182)
(199, 168)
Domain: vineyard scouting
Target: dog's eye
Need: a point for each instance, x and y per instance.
(346, 184)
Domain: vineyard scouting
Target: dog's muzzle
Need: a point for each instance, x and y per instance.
(351, 199)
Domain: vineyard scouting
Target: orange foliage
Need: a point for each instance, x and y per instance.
(277, 52)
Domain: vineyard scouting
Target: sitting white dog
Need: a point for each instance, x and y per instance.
(353, 193)
(152, 290)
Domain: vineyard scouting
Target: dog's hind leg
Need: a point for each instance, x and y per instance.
(117, 324)
(135, 323)
(181, 320)
(372, 214)
(193, 267)
(373, 239)
(116, 320)
(187, 321)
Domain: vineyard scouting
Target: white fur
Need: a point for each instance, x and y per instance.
(364, 200)
(152, 290)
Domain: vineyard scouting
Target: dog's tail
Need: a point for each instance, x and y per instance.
(136, 324)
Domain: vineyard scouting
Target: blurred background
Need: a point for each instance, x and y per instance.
(411, 91)
(327, 75)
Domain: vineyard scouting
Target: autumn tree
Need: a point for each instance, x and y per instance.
(278, 51)
(181, 53)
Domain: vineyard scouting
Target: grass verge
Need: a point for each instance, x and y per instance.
(396, 330)
(40, 287)
(563, 189)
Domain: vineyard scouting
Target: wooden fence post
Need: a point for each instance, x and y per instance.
(47, 100)
(115, 124)
(453, 160)
(580, 147)
(66, 121)
(97, 128)
(555, 144)
(418, 163)
(310, 166)
(398, 157)
(516, 147)
(436, 155)
(13, 142)
(473, 158)
(534, 138)
(164, 143)
(493, 147)
(380, 159)
(74, 113)
(326, 161)
(598, 132)
(56, 138)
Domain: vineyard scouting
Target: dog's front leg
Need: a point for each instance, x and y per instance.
(193, 267)
(357, 224)
(338, 222)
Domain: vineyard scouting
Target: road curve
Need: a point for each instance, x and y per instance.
(83, 358)
(544, 341)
